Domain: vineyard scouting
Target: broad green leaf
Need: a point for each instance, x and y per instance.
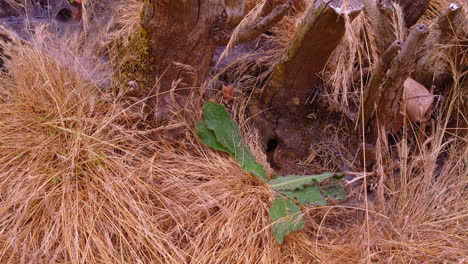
(225, 129)
(220, 132)
(307, 195)
(286, 216)
(335, 192)
(208, 137)
(293, 182)
(254, 168)
(248, 163)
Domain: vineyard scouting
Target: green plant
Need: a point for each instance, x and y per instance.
(220, 132)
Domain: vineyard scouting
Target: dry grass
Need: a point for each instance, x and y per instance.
(79, 183)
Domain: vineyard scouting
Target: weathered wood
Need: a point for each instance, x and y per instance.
(267, 7)
(317, 37)
(380, 17)
(294, 77)
(381, 12)
(185, 32)
(432, 69)
(413, 10)
(446, 20)
(261, 24)
(389, 103)
(372, 90)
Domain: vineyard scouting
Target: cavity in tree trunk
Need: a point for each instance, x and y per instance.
(289, 119)
(188, 32)
(182, 36)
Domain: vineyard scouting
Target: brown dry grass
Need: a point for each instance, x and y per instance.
(80, 184)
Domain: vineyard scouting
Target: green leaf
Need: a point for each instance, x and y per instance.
(307, 195)
(208, 137)
(220, 132)
(255, 168)
(248, 163)
(338, 176)
(335, 192)
(225, 129)
(293, 182)
(286, 216)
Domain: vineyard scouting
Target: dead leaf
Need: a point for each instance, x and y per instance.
(418, 100)
(228, 92)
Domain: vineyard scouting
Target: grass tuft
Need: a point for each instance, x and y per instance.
(80, 183)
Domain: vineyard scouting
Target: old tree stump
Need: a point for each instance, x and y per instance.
(187, 33)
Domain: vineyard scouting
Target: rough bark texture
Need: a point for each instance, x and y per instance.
(179, 39)
(262, 23)
(412, 10)
(293, 81)
(389, 104)
(432, 68)
(381, 12)
(372, 90)
(186, 32)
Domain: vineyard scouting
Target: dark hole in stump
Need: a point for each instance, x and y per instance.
(64, 15)
(272, 144)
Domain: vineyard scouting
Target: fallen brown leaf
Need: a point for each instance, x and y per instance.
(418, 100)
(228, 92)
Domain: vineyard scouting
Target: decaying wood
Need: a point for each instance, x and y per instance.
(372, 90)
(294, 77)
(412, 10)
(193, 31)
(317, 37)
(262, 23)
(380, 17)
(389, 103)
(446, 21)
(432, 69)
(182, 36)
(381, 12)
(185, 32)
(267, 7)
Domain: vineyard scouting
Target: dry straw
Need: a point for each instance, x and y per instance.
(79, 183)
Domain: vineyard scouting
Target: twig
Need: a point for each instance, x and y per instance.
(372, 91)
(252, 31)
(389, 106)
(362, 175)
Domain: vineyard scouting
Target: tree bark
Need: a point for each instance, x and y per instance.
(389, 104)
(186, 32)
(287, 117)
(381, 12)
(433, 68)
(412, 10)
(372, 91)
(180, 38)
